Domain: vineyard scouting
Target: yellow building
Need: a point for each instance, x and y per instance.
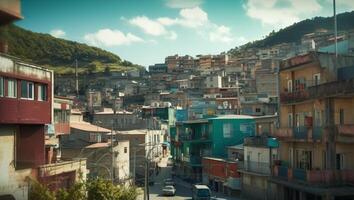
(316, 128)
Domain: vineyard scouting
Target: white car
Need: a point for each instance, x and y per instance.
(169, 190)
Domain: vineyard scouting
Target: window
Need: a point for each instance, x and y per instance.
(303, 159)
(290, 120)
(290, 86)
(1, 86)
(317, 79)
(27, 90)
(125, 149)
(227, 129)
(258, 110)
(42, 93)
(341, 116)
(11, 88)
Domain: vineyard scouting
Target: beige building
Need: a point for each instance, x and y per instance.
(316, 128)
(119, 120)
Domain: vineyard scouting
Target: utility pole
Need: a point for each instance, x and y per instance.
(113, 126)
(329, 105)
(76, 79)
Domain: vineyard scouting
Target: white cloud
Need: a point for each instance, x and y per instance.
(221, 34)
(152, 27)
(149, 26)
(183, 3)
(280, 13)
(108, 37)
(57, 33)
(194, 18)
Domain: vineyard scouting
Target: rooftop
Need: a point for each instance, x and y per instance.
(109, 111)
(233, 117)
(84, 126)
(98, 145)
(134, 132)
(239, 146)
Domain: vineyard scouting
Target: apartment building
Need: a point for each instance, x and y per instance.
(316, 128)
(26, 104)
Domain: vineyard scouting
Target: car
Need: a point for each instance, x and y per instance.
(201, 192)
(169, 190)
(169, 181)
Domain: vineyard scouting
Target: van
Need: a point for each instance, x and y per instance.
(201, 192)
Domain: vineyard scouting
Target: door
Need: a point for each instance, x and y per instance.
(316, 79)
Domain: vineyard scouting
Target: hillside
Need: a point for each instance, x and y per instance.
(59, 54)
(294, 32)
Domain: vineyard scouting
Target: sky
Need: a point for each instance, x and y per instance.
(146, 31)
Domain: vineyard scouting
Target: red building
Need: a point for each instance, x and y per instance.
(221, 175)
(26, 120)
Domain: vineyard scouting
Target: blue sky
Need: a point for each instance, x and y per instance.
(146, 31)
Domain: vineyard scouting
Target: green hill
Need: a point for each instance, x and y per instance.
(293, 33)
(59, 54)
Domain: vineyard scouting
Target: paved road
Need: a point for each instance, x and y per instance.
(183, 189)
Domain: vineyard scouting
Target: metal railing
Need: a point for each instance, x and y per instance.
(317, 133)
(300, 132)
(299, 174)
(257, 167)
(315, 91)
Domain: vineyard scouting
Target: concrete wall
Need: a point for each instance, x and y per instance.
(11, 181)
(122, 168)
(254, 187)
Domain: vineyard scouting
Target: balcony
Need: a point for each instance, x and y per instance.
(256, 167)
(330, 89)
(194, 139)
(261, 141)
(193, 160)
(283, 133)
(300, 133)
(346, 130)
(314, 177)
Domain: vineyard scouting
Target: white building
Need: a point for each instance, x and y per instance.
(213, 81)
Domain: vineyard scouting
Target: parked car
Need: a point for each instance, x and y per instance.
(169, 190)
(201, 192)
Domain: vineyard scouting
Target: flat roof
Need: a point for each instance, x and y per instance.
(195, 121)
(239, 146)
(109, 111)
(233, 117)
(98, 145)
(134, 132)
(84, 126)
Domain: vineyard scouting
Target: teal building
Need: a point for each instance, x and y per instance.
(195, 139)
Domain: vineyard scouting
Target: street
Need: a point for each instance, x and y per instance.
(183, 189)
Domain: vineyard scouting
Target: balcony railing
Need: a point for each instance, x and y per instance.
(317, 132)
(192, 138)
(346, 129)
(256, 167)
(317, 177)
(330, 89)
(300, 132)
(283, 133)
